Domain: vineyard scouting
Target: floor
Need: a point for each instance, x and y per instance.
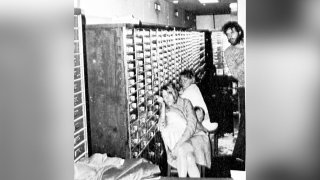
(220, 168)
(224, 162)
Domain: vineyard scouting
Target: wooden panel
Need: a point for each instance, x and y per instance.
(76, 60)
(121, 92)
(78, 111)
(77, 99)
(106, 83)
(77, 86)
(77, 73)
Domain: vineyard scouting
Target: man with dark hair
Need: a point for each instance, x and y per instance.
(234, 66)
(233, 27)
(234, 54)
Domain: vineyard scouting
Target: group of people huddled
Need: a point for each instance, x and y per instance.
(184, 123)
(184, 120)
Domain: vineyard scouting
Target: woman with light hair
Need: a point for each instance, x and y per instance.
(186, 142)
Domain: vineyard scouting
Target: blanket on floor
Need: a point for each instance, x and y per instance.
(102, 167)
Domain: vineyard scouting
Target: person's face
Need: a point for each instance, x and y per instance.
(168, 96)
(233, 36)
(200, 116)
(185, 82)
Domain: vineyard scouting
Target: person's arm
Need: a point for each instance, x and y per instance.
(191, 123)
(162, 117)
(226, 62)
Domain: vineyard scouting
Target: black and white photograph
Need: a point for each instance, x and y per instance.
(159, 89)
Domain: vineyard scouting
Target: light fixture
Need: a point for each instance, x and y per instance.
(208, 1)
(157, 6)
(233, 7)
(176, 12)
(175, 1)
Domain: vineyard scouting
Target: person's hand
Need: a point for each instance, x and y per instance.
(180, 92)
(172, 156)
(161, 125)
(160, 100)
(175, 149)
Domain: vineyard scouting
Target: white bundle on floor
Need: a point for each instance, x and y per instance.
(226, 144)
(102, 167)
(92, 168)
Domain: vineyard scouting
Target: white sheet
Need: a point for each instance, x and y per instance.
(92, 168)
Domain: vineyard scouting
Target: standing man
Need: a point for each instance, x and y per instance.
(234, 54)
(234, 61)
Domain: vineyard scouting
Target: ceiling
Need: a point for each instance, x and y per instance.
(199, 9)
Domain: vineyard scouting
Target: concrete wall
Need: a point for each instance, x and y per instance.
(242, 14)
(106, 11)
(221, 19)
(205, 22)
